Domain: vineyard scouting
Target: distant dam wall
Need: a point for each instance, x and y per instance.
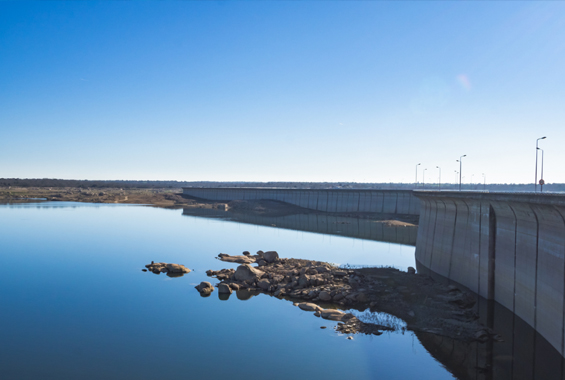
(327, 200)
(325, 224)
(506, 247)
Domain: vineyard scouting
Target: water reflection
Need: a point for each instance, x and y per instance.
(325, 224)
(523, 354)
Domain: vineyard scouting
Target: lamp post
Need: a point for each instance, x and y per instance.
(424, 177)
(416, 183)
(484, 182)
(541, 177)
(536, 182)
(439, 182)
(460, 167)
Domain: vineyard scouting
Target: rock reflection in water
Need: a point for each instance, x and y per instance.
(321, 223)
(524, 354)
(245, 294)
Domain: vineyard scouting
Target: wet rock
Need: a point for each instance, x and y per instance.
(323, 327)
(144, 270)
(246, 272)
(350, 338)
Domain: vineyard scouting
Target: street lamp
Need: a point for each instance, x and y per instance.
(541, 179)
(416, 183)
(424, 177)
(460, 167)
(484, 182)
(439, 182)
(536, 182)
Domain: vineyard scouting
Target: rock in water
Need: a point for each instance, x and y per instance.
(166, 268)
(224, 289)
(334, 315)
(205, 286)
(308, 306)
(246, 272)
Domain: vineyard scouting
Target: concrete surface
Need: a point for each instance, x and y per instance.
(508, 247)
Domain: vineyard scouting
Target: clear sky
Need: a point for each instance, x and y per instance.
(288, 91)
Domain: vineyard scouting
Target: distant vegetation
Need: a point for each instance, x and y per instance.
(49, 182)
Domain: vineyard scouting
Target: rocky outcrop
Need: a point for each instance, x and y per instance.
(173, 270)
(417, 299)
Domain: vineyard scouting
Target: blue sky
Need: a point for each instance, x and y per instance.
(288, 90)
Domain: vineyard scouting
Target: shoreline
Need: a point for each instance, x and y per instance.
(172, 198)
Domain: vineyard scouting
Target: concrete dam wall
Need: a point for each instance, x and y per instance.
(506, 247)
(327, 200)
(320, 223)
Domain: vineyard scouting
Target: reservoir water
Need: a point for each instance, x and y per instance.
(74, 303)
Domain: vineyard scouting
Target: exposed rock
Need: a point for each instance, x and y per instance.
(325, 296)
(246, 272)
(264, 284)
(204, 287)
(246, 253)
(334, 315)
(306, 306)
(224, 289)
(166, 268)
(271, 256)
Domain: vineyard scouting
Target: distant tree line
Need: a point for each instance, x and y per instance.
(51, 182)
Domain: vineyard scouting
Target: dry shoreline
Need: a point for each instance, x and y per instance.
(173, 198)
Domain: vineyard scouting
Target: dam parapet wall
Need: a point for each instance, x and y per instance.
(507, 247)
(326, 200)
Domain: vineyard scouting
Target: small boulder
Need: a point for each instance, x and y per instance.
(224, 289)
(307, 306)
(271, 256)
(325, 296)
(411, 270)
(246, 272)
(204, 286)
(246, 253)
(334, 315)
(264, 284)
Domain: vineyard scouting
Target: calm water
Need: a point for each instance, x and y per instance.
(75, 304)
